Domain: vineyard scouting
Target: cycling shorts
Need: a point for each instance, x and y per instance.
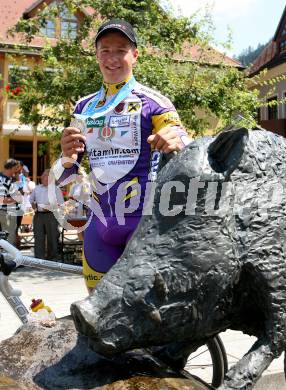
(103, 245)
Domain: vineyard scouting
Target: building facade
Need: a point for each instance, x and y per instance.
(272, 116)
(23, 142)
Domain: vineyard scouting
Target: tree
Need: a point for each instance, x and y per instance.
(247, 56)
(68, 69)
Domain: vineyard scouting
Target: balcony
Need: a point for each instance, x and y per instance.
(277, 126)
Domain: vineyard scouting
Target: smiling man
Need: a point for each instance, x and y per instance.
(124, 122)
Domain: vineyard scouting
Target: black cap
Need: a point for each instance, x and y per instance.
(117, 25)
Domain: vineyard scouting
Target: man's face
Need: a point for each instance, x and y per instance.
(16, 170)
(45, 179)
(116, 56)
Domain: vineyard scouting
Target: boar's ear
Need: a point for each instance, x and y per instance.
(226, 150)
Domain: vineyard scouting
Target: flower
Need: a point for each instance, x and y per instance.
(13, 91)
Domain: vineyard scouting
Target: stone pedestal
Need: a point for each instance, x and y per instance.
(57, 358)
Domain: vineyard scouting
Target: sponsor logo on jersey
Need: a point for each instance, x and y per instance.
(172, 118)
(119, 121)
(163, 101)
(119, 108)
(123, 132)
(106, 133)
(133, 107)
(98, 122)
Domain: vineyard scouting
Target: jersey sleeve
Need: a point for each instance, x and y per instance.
(169, 118)
(164, 114)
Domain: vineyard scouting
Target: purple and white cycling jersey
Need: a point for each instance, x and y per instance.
(119, 157)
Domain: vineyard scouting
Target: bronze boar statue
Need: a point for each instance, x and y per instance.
(210, 256)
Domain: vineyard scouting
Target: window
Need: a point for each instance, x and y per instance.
(272, 108)
(15, 79)
(284, 30)
(63, 26)
(12, 113)
(68, 25)
(49, 30)
(283, 45)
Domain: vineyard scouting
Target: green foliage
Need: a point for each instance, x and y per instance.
(68, 69)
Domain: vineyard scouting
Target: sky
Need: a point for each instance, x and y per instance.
(251, 21)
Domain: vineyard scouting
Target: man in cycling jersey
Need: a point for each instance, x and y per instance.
(123, 122)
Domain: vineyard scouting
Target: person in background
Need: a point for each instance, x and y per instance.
(10, 199)
(20, 181)
(80, 193)
(45, 224)
(27, 189)
(21, 176)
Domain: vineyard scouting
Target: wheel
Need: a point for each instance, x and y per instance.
(209, 362)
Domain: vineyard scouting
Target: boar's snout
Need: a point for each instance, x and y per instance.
(103, 338)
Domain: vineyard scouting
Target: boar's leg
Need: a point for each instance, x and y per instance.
(245, 373)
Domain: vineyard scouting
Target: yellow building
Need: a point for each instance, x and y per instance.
(273, 59)
(21, 141)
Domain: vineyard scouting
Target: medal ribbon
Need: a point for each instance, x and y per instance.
(92, 112)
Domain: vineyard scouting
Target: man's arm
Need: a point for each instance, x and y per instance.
(32, 199)
(73, 147)
(169, 134)
(5, 195)
(7, 200)
(18, 183)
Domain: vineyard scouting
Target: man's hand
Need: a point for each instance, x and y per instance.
(72, 143)
(166, 140)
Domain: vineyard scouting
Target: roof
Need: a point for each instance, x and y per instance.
(265, 57)
(11, 12)
(280, 24)
(30, 11)
(208, 55)
(270, 55)
(33, 5)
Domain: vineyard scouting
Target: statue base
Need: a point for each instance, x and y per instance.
(37, 357)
